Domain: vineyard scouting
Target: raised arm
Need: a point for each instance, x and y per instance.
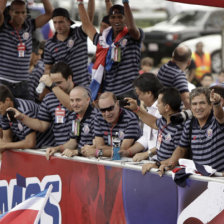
(44, 18)
(108, 4)
(147, 118)
(91, 10)
(129, 20)
(87, 26)
(217, 106)
(2, 8)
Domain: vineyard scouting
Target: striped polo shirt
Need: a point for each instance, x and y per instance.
(170, 75)
(20, 131)
(127, 127)
(119, 79)
(72, 51)
(171, 135)
(207, 142)
(86, 132)
(34, 78)
(48, 108)
(13, 67)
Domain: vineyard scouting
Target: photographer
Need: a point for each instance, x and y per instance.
(203, 135)
(15, 134)
(169, 102)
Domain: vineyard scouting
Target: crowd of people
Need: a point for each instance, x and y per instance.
(79, 114)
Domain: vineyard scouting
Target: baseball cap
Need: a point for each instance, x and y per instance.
(62, 12)
(116, 9)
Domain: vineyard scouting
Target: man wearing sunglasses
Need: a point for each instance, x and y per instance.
(110, 120)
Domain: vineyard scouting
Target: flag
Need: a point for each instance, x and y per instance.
(28, 211)
(187, 168)
(217, 3)
(101, 55)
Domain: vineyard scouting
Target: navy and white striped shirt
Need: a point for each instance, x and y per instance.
(86, 135)
(119, 79)
(170, 75)
(13, 67)
(127, 127)
(20, 131)
(72, 51)
(47, 109)
(34, 78)
(171, 135)
(207, 142)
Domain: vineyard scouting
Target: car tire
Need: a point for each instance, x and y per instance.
(216, 62)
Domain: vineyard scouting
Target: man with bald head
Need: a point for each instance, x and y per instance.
(172, 74)
(82, 124)
(110, 120)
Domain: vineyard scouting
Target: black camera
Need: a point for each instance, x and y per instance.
(11, 115)
(178, 118)
(123, 103)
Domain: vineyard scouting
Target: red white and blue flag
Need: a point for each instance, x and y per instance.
(28, 211)
(217, 3)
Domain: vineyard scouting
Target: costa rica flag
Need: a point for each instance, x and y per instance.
(217, 3)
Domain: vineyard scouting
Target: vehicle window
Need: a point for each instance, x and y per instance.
(192, 18)
(216, 20)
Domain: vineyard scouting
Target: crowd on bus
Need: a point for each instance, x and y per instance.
(50, 99)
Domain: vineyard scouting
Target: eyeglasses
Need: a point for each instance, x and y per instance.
(103, 110)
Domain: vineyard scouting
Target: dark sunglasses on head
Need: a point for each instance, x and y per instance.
(103, 110)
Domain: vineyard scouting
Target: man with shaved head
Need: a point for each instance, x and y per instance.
(172, 74)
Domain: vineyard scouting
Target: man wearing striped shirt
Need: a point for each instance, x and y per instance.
(69, 45)
(111, 120)
(203, 135)
(16, 30)
(16, 135)
(168, 103)
(82, 132)
(172, 74)
(55, 108)
(118, 49)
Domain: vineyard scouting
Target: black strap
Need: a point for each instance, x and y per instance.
(190, 133)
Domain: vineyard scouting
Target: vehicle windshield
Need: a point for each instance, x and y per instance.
(192, 18)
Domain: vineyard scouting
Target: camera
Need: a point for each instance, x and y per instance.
(123, 102)
(11, 115)
(178, 118)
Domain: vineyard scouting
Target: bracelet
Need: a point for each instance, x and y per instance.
(52, 86)
(157, 162)
(138, 108)
(125, 1)
(217, 103)
(97, 153)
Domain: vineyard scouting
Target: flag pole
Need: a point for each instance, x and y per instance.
(44, 203)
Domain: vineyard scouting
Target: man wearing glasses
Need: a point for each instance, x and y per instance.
(111, 120)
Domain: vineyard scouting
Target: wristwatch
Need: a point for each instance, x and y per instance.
(52, 85)
(100, 153)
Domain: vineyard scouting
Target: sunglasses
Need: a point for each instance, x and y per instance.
(103, 110)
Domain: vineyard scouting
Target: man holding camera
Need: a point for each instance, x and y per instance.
(169, 102)
(203, 135)
(16, 135)
(110, 120)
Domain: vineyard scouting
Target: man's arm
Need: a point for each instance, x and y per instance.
(108, 4)
(32, 123)
(217, 106)
(44, 18)
(147, 118)
(28, 143)
(186, 99)
(2, 8)
(91, 10)
(87, 26)
(47, 69)
(129, 20)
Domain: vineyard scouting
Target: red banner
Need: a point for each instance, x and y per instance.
(217, 3)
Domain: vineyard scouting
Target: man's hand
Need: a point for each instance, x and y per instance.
(70, 152)
(88, 151)
(132, 104)
(214, 97)
(139, 157)
(46, 79)
(147, 167)
(50, 152)
(18, 115)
